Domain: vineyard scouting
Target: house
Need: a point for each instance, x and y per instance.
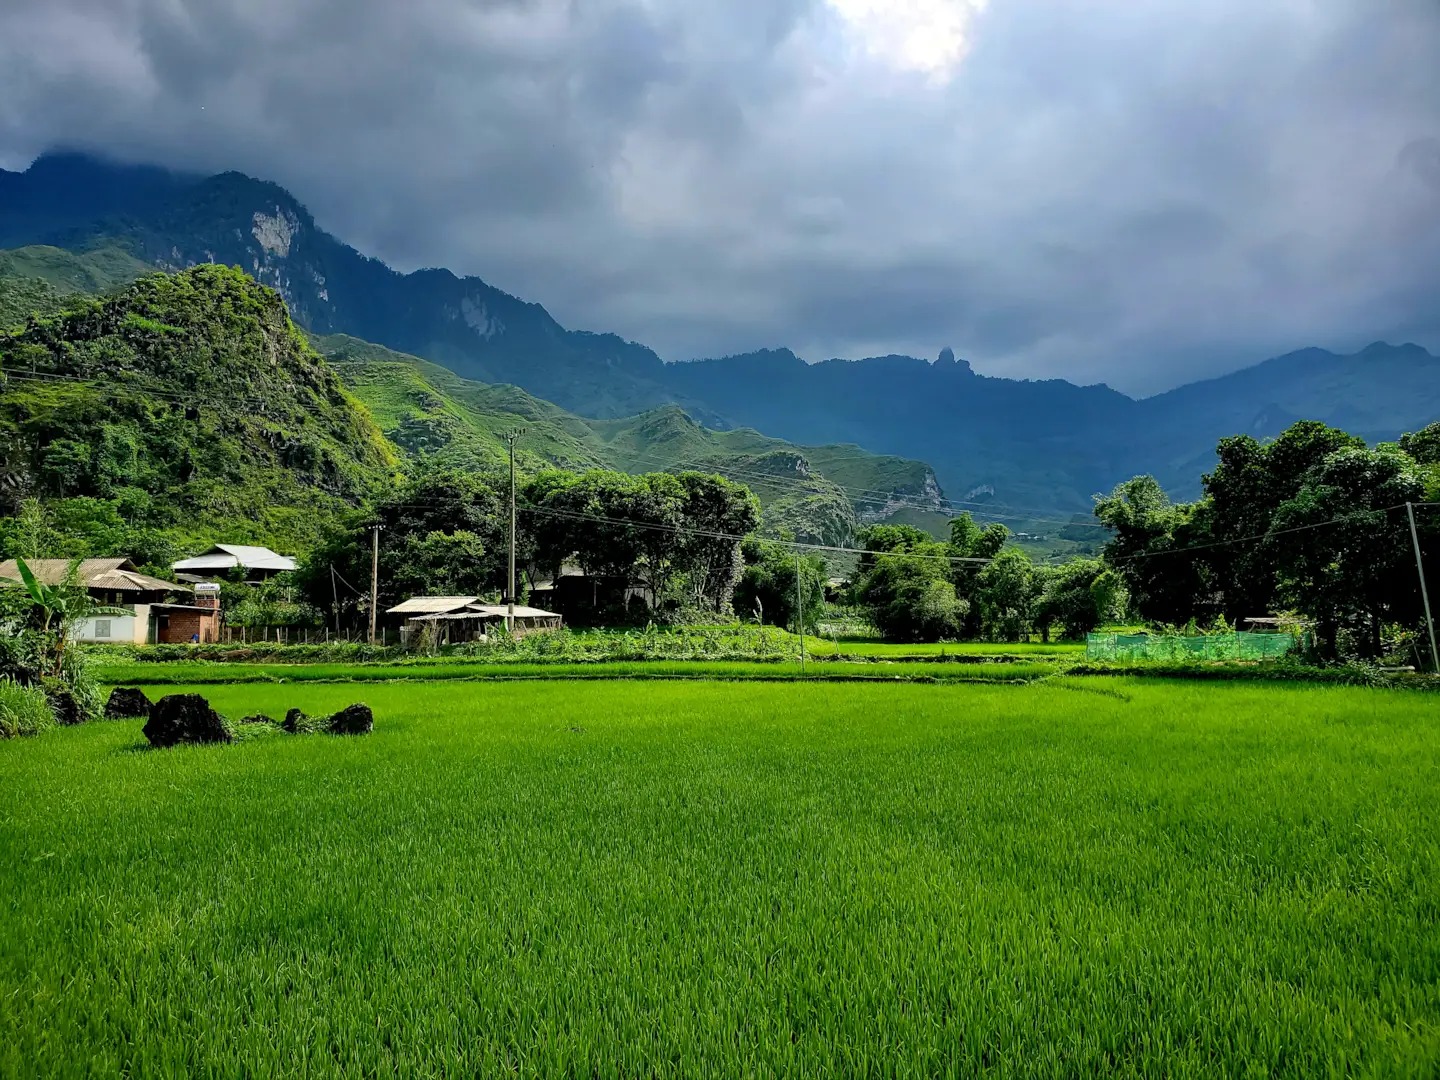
(578, 596)
(464, 618)
(148, 617)
(259, 563)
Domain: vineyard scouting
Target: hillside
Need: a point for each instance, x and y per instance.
(38, 280)
(816, 492)
(191, 401)
(173, 221)
(1028, 452)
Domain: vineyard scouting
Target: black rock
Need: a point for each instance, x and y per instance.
(127, 702)
(186, 718)
(354, 720)
(297, 723)
(63, 704)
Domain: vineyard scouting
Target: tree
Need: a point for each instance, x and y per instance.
(1006, 593)
(909, 599)
(904, 584)
(1342, 549)
(767, 588)
(969, 544)
(1242, 495)
(1080, 596)
(1423, 446)
(1155, 549)
(715, 511)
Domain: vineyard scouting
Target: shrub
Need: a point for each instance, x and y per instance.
(24, 710)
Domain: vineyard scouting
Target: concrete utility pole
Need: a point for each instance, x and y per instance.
(510, 438)
(1424, 592)
(800, 611)
(374, 578)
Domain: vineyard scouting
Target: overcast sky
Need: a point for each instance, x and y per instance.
(1136, 191)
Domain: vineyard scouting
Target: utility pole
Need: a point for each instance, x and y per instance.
(510, 438)
(1424, 592)
(800, 611)
(374, 578)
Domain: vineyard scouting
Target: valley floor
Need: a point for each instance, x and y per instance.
(1071, 877)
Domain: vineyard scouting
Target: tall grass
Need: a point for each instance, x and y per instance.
(24, 710)
(1073, 878)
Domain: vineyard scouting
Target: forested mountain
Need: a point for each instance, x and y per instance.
(173, 221)
(1024, 451)
(818, 493)
(185, 401)
(190, 402)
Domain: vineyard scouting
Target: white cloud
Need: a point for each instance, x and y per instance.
(926, 36)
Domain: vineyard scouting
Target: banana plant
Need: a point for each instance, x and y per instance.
(61, 607)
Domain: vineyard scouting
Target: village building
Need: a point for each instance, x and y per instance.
(577, 595)
(146, 614)
(258, 563)
(451, 620)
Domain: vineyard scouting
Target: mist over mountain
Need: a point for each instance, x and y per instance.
(1016, 447)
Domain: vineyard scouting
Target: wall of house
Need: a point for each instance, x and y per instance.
(126, 629)
(180, 627)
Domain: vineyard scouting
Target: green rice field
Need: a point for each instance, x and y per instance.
(1075, 877)
(209, 672)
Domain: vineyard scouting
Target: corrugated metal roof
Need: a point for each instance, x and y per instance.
(118, 575)
(206, 562)
(470, 611)
(226, 556)
(521, 612)
(426, 605)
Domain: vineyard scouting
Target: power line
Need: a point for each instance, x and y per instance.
(1257, 536)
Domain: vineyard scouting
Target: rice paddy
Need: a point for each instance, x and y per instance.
(1074, 877)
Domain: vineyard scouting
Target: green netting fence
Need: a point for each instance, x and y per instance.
(1237, 646)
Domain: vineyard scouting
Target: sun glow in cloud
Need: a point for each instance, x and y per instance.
(927, 36)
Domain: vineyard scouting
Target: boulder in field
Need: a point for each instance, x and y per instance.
(63, 704)
(127, 702)
(186, 718)
(354, 720)
(297, 723)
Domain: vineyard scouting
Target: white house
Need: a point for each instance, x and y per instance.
(142, 614)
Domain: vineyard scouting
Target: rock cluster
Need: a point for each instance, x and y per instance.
(189, 718)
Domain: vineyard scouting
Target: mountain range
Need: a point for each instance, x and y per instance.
(1022, 450)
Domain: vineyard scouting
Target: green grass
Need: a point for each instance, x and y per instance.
(180, 672)
(1074, 878)
(1070, 649)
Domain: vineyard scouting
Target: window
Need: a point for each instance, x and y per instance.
(102, 627)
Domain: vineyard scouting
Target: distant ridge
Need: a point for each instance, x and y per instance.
(1043, 447)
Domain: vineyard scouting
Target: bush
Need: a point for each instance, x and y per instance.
(24, 710)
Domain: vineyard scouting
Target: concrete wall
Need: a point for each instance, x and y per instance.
(125, 629)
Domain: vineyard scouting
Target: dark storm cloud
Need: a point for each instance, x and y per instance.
(1142, 193)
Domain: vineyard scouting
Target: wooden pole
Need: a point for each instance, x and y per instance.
(374, 578)
(800, 611)
(510, 438)
(1424, 592)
